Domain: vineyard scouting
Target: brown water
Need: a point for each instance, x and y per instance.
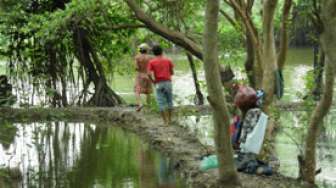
(81, 155)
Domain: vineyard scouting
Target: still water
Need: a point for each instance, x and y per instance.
(289, 145)
(60, 154)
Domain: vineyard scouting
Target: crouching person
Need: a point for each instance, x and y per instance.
(251, 133)
(160, 71)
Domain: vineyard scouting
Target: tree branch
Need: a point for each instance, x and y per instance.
(249, 25)
(283, 34)
(247, 21)
(127, 26)
(228, 2)
(229, 19)
(173, 36)
(250, 4)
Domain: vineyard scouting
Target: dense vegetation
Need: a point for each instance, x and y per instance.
(56, 45)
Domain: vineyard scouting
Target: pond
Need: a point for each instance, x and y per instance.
(60, 154)
(289, 145)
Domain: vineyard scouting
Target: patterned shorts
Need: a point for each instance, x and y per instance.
(143, 85)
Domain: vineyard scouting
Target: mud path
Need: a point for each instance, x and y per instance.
(176, 142)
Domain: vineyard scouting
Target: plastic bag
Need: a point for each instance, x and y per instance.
(255, 139)
(209, 162)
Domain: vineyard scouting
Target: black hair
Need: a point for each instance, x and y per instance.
(226, 74)
(143, 51)
(157, 50)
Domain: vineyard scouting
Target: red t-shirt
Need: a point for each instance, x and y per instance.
(162, 68)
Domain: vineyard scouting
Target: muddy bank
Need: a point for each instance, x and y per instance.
(174, 141)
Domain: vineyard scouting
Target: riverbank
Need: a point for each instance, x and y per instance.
(174, 141)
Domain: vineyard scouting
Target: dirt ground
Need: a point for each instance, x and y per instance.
(175, 141)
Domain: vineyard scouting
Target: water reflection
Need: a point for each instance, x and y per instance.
(60, 154)
(166, 178)
(289, 145)
(200, 126)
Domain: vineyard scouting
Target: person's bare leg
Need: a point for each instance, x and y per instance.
(148, 99)
(138, 101)
(138, 98)
(164, 117)
(169, 116)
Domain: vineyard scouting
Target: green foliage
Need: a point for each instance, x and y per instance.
(186, 16)
(233, 57)
(230, 40)
(29, 32)
(153, 106)
(39, 38)
(182, 15)
(309, 81)
(97, 19)
(7, 133)
(303, 30)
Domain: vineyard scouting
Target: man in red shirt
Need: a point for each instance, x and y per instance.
(161, 68)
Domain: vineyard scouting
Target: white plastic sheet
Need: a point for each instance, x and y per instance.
(254, 140)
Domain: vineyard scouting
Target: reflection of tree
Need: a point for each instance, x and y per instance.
(52, 152)
(7, 134)
(58, 154)
(147, 168)
(167, 179)
(86, 167)
(77, 155)
(10, 178)
(155, 175)
(107, 158)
